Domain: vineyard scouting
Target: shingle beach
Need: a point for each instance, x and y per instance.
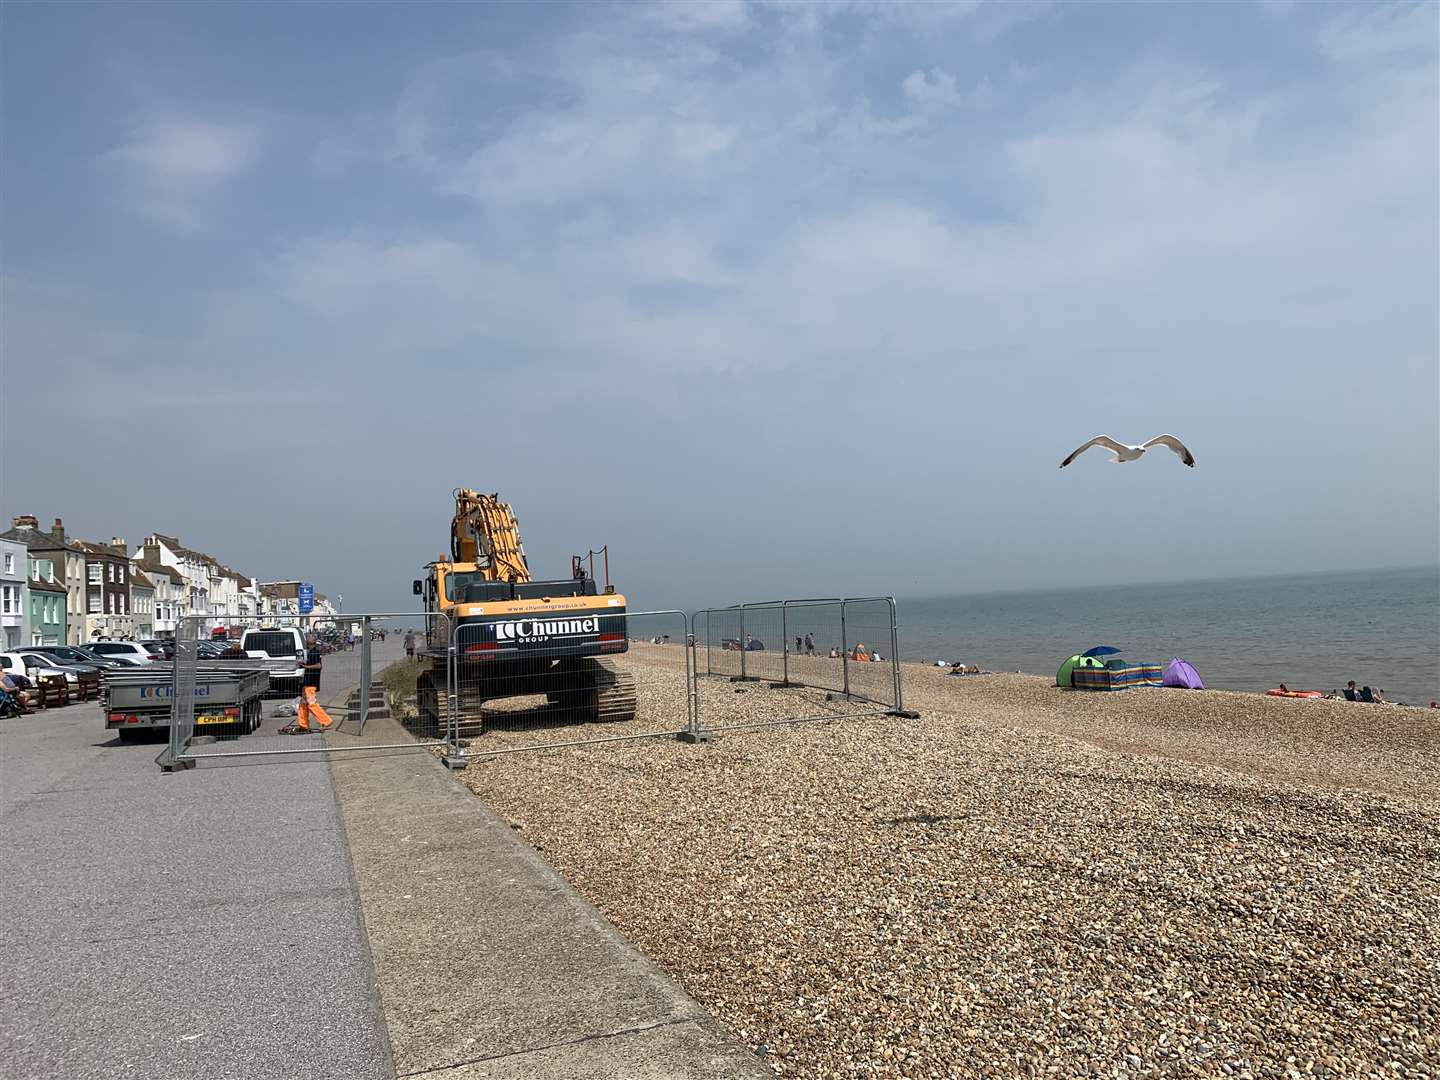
(1025, 881)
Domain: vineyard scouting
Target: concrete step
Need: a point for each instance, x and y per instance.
(373, 713)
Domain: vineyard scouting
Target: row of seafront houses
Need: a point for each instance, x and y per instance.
(57, 590)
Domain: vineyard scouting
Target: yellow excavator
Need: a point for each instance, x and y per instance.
(509, 635)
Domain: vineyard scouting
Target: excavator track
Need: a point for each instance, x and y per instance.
(614, 698)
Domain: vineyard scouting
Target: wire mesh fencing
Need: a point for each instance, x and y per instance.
(240, 686)
(796, 660)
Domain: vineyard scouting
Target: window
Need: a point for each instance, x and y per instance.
(108, 598)
(93, 606)
(9, 563)
(110, 567)
(94, 572)
(5, 599)
(121, 572)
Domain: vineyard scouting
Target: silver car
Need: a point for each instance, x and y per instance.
(125, 650)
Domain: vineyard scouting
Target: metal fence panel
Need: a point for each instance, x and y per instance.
(534, 684)
(871, 662)
(797, 660)
(724, 638)
(237, 685)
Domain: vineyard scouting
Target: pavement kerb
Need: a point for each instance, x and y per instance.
(488, 963)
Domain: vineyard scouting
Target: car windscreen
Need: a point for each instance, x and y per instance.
(271, 643)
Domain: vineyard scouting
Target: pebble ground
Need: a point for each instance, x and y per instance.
(1025, 881)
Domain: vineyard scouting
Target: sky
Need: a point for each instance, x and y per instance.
(774, 299)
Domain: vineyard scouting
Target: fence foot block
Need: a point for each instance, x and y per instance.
(743, 678)
(905, 714)
(455, 761)
(782, 685)
(694, 736)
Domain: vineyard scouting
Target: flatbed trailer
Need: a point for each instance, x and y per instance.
(227, 698)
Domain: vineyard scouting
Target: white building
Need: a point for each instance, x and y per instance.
(194, 568)
(169, 595)
(14, 593)
(142, 603)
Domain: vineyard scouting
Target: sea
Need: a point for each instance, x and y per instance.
(1309, 631)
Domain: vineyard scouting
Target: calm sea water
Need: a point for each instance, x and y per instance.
(1311, 632)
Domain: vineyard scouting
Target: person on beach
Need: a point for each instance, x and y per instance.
(809, 645)
(1366, 695)
(410, 644)
(1350, 692)
(798, 644)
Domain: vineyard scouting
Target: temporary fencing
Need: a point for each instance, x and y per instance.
(488, 687)
(237, 685)
(809, 658)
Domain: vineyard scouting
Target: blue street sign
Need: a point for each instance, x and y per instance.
(307, 598)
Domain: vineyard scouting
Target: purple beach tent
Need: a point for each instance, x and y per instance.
(1179, 673)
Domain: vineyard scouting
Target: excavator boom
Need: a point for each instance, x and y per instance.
(485, 532)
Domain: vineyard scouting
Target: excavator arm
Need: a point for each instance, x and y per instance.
(485, 531)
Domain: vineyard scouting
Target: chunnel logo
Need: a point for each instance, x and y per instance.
(544, 629)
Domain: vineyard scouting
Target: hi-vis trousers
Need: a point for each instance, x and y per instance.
(309, 706)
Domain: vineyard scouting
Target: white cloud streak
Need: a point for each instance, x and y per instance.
(173, 167)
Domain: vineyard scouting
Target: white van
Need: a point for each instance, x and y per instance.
(278, 643)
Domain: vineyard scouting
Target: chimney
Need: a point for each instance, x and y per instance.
(57, 531)
(119, 542)
(25, 521)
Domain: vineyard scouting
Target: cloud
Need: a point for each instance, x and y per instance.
(937, 89)
(697, 15)
(1372, 31)
(174, 166)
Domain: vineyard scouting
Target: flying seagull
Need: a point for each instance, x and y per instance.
(1134, 453)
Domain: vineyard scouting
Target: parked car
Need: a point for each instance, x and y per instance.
(127, 660)
(131, 650)
(166, 649)
(34, 666)
(278, 643)
(69, 654)
(71, 668)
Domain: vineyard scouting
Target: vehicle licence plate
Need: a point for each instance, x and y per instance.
(212, 718)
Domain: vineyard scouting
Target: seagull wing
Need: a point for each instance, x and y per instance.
(1099, 440)
(1174, 444)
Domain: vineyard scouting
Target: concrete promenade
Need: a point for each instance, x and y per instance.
(235, 920)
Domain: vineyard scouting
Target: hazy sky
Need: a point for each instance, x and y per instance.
(775, 299)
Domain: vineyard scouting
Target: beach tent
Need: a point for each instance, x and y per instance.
(1065, 676)
(1181, 674)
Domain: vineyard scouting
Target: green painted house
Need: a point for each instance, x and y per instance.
(45, 621)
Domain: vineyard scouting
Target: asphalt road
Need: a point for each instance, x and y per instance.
(196, 924)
